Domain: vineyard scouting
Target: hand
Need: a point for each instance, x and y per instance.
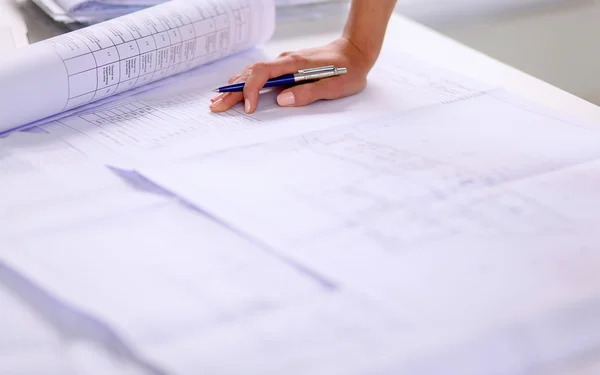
(342, 53)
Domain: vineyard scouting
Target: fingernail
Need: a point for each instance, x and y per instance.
(216, 103)
(286, 99)
(220, 96)
(247, 106)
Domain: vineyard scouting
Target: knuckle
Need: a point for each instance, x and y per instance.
(233, 98)
(252, 85)
(246, 72)
(259, 67)
(286, 53)
(296, 58)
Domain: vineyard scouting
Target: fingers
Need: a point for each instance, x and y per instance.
(226, 101)
(220, 96)
(256, 76)
(260, 73)
(235, 78)
(308, 93)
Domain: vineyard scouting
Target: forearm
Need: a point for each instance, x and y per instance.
(367, 24)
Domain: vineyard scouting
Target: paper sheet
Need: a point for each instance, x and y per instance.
(134, 275)
(146, 280)
(28, 346)
(43, 335)
(47, 185)
(51, 188)
(87, 65)
(172, 283)
(472, 208)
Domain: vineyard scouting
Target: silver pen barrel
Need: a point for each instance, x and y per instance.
(311, 75)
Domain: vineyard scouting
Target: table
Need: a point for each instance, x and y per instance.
(423, 43)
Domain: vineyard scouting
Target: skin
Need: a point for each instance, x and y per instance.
(357, 49)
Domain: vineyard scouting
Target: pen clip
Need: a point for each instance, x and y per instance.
(327, 68)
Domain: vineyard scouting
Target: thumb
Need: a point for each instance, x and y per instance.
(308, 93)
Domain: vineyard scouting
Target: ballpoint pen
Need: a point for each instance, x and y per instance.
(303, 75)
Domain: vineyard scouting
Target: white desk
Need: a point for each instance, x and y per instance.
(426, 44)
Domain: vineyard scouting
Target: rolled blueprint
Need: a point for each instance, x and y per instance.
(96, 62)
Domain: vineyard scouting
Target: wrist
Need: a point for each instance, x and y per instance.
(366, 26)
(367, 52)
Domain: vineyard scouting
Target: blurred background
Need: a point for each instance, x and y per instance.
(554, 40)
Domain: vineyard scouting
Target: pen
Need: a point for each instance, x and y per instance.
(303, 75)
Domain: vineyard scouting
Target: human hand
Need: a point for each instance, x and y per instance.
(342, 53)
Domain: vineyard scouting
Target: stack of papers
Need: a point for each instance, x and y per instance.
(91, 11)
(94, 11)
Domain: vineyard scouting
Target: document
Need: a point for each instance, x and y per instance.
(130, 272)
(43, 335)
(472, 208)
(109, 58)
(28, 345)
(50, 188)
(148, 282)
(400, 253)
(48, 185)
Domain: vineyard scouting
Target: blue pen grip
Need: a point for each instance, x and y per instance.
(287, 79)
(281, 81)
